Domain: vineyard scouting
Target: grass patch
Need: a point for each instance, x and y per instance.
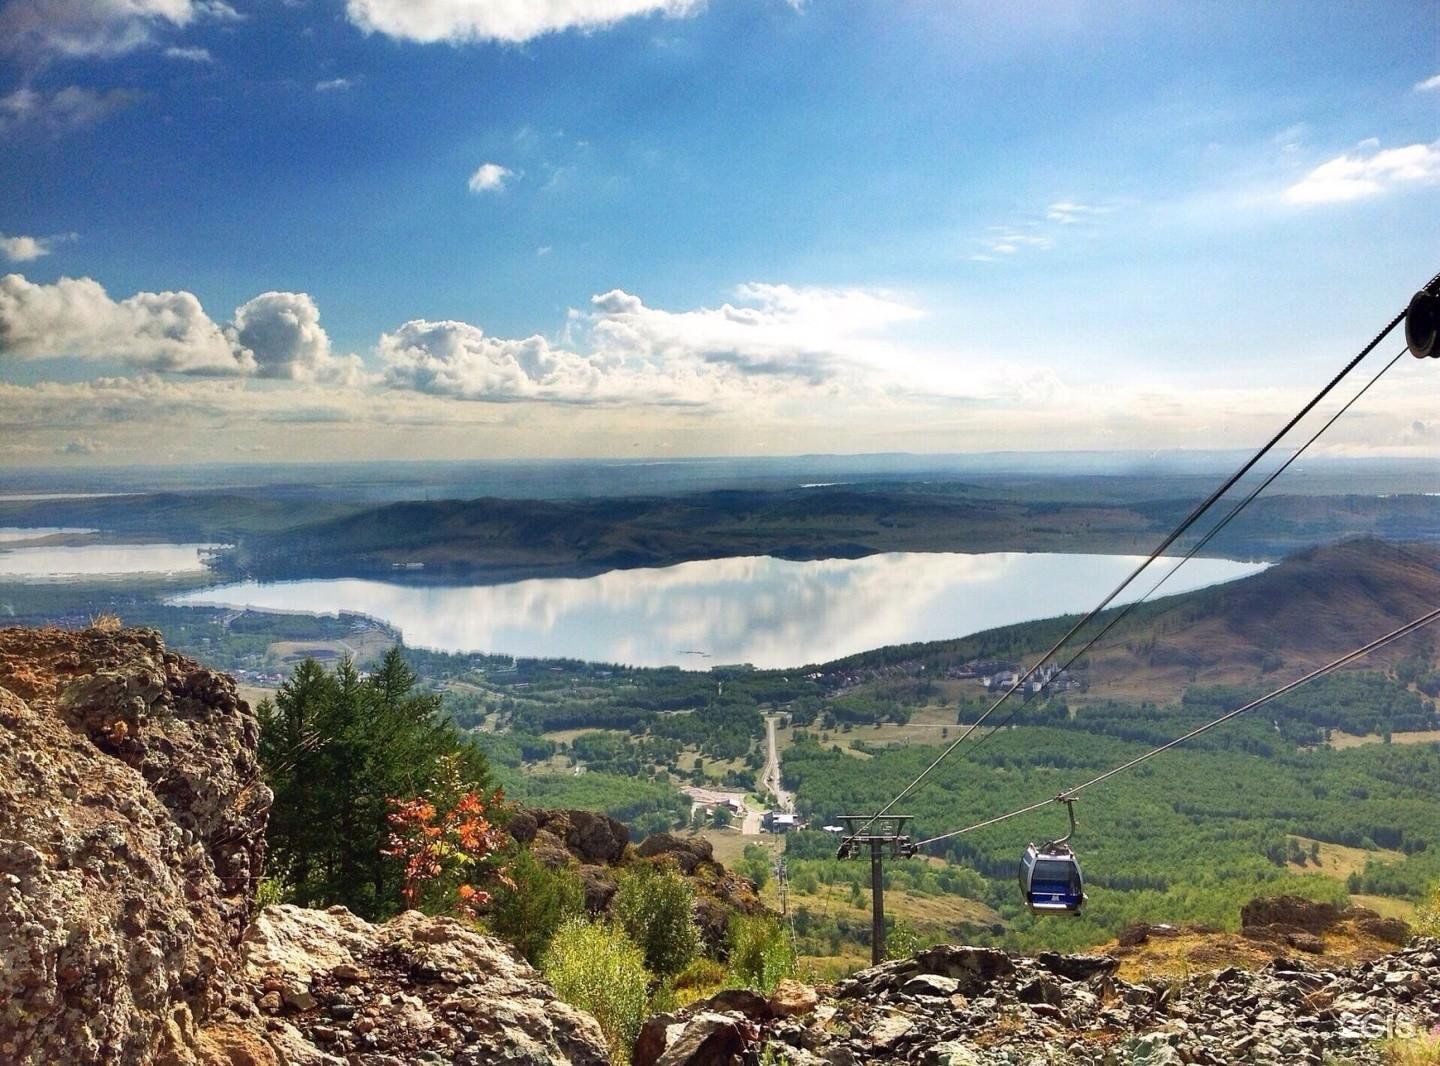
(1386, 906)
(1341, 740)
(1339, 861)
(1412, 1051)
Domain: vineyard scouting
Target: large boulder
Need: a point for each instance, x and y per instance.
(132, 821)
(334, 989)
(710, 1032)
(556, 836)
(686, 853)
(1078, 967)
(1274, 913)
(1390, 930)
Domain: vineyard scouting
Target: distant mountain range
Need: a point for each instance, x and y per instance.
(503, 539)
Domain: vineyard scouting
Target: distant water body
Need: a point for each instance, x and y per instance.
(17, 534)
(759, 610)
(41, 564)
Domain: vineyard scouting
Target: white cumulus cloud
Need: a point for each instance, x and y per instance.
(1361, 175)
(774, 339)
(275, 335)
(333, 85)
(19, 249)
(807, 333)
(490, 177)
(457, 359)
(510, 21)
(1428, 85)
(282, 335)
(76, 317)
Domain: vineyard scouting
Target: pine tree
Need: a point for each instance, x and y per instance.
(337, 749)
(292, 737)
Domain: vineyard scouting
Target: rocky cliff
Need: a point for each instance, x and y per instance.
(132, 825)
(132, 821)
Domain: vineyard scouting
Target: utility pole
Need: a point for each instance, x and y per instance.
(887, 834)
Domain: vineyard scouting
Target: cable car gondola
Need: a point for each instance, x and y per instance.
(1050, 877)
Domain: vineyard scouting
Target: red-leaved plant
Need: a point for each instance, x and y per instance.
(446, 843)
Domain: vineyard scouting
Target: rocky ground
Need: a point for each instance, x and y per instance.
(329, 989)
(963, 1006)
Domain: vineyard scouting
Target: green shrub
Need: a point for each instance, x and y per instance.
(902, 940)
(270, 891)
(1427, 915)
(702, 973)
(656, 907)
(761, 955)
(596, 968)
(528, 914)
(755, 864)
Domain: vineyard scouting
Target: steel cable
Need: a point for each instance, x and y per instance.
(1170, 539)
(1334, 664)
(1124, 612)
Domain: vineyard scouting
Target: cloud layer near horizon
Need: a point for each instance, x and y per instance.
(779, 368)
(115, 419)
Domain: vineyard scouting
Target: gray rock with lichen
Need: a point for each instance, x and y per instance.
(132, 823)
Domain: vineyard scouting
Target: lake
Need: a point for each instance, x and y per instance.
(769, 612)
(16, 534)
(63, 563)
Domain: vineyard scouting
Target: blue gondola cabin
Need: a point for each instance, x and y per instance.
(1050, 880)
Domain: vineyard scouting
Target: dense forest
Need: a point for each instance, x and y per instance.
(1185, 837)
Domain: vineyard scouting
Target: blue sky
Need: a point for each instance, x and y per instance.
(426, 228)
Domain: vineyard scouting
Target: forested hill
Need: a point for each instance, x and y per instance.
(499, 539)
(1300, 613)
(502, 538)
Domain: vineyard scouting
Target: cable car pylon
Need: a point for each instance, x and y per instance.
(890, 838)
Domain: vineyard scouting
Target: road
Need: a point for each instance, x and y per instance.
(771, 778)
(750, 823)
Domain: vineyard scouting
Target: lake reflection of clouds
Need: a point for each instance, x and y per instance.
(95, 560)
(769, 612)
